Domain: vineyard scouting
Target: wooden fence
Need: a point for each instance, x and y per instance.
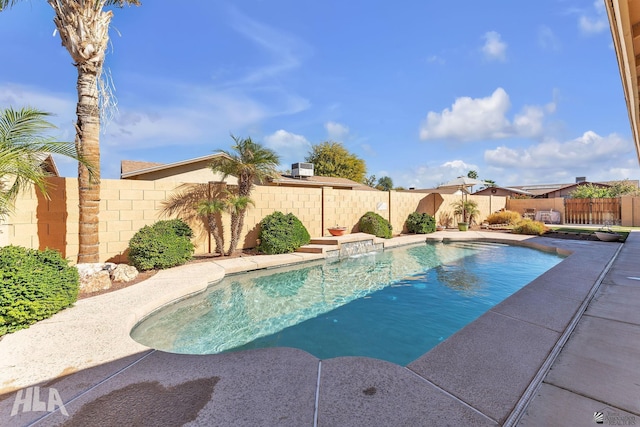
(593, 211)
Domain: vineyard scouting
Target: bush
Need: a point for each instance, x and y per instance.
(504, 217)
(372, 223)
(421, 223)
(528, 226)
(176, 226)
(34, 285)
(162, 245)
(281, 234)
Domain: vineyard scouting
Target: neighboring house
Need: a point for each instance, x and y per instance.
(192, 171)
(197, 171)
(504, 191)
(319, 181)
(545, 191)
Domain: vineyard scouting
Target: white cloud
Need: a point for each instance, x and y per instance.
(431, 176)
(472, 119)
(290, 147)
(595, 21)
(604, 157)
(285, 50)
(547, 39)
(494, 48)
(336, 131)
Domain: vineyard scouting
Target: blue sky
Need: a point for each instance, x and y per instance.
(423, 91)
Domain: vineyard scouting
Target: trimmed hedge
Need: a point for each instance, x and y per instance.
(34, 285)
(421, 223)
(281, 234)
(164, 244)
(372, 223)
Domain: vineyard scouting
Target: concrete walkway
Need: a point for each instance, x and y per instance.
(520, 363)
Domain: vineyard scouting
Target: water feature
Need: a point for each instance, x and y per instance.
(394, 305)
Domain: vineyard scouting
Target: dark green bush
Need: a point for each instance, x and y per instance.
(34, 285)
(530, 227)
(162, 245)
(421, 223)
(372, 223)
(280, 234)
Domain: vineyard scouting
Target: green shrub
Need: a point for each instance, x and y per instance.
(504, 217)
(176, 226)
(421, 223)
(528, 226)
(34, 285)
(162, 245)
(372, 223)
(281, 234)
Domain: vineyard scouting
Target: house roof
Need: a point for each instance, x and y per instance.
(320, 181)
(129, 168)
(624, 22)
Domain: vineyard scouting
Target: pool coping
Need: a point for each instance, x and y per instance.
(90, 352)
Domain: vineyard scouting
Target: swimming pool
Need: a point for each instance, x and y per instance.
(393, 305)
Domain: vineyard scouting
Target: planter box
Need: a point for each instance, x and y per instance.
(463, 226)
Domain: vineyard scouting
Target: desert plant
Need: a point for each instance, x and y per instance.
(162, 245)
(530, 227)
(251, 163)
(280, 233)
(467, 209)
(504, 217)
(445, 219)
(34, 286)
(372, 223)
(421, 223)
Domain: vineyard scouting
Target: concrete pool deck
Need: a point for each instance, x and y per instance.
(565, 346)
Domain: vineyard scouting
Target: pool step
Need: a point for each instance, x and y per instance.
(317, 248)
(319, 245)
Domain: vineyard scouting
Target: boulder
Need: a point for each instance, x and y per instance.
(98, 281)
(124, 273)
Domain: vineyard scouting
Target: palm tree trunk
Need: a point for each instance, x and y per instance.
(234, 234)
(213, 229)
(88, 146)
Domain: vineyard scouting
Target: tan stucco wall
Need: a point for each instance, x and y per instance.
(128, 205)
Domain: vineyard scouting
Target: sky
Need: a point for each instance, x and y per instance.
(422, 91)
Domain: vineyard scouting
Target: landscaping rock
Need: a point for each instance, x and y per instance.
(124, 273)
(98, 281)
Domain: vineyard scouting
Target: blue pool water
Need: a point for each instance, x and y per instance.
(393, 305)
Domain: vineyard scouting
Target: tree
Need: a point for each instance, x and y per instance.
(472, 174)
(332, 159)
(23, 148)
(249, 162)
(84, 30)
(370, 181)
(199, 202)
(385, 183)
(468, 209)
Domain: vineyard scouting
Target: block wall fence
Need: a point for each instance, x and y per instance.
(128, 205)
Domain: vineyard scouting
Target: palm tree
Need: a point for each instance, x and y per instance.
(23, 148)
(84, 29)
(468, 209)
(199, 202)
(237, 206)
(250, 162)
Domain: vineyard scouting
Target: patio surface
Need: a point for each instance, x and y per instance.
(562, 348)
